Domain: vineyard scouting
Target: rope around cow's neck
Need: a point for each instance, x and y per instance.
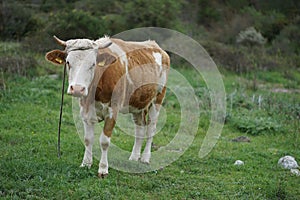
(60, 114)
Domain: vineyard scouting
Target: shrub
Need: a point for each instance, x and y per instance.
(207, 12)
(14, 62)
(260, 114)
(162, 13)
(255, 122)
(18, 65)
(245, 59)
(237, 4)
(231, 58)
(269, 23)
(288, 41)
(98, 9)
(230, 29)
(66, 25)
(289, 7)
(76, 24)
(251, 37)
(114, 23)
(48, 6)
(17, 21)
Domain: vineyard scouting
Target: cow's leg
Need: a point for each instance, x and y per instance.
(139, 120)
(88, 115)
(104, 144)
(151, 129)
(88, 142)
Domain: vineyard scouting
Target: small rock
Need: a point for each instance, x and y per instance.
(241, 139)
(238, 162)
(288, 162)
(295, 171)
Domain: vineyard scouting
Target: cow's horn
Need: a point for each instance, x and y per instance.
(107, 44)
(59, 41)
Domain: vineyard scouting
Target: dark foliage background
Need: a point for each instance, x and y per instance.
(215, 24)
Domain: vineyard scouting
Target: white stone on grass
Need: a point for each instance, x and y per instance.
(288, 162)
(238, 162)
(295, 171)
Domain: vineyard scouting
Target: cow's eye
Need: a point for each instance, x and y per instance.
(68, 65)
(92, 67)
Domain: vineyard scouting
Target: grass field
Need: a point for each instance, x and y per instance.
(30, 169)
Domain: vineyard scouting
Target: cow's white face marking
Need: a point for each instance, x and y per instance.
(81, 66)
(81, 61)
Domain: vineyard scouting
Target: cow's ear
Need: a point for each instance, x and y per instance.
(57, 57)
(104, 59)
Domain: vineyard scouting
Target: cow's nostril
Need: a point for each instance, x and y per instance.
(77, 90)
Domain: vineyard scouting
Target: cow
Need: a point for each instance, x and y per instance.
(111, 76)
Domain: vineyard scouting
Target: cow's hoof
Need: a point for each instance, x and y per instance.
(145, 158)
(88, 165)
(135, 157)
(103, 170)
(145, 161)
(102, 175)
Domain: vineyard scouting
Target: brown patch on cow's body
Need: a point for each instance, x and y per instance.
(142, 68)
(143, 96)
(108, 126)
(160, 97)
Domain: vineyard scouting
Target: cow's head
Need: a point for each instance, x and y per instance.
(80, 58)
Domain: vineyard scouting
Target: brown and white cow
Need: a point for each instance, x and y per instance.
(111, 76)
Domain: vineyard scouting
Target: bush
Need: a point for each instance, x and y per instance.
(250, 37)
(17, 21)
(289, 8)
(245, 59)
(269, 23)
(260, 114)
(237, 4)
(288, 41)
(114, 23)
(231, 58)
(14, 62)
(255, 122)
(96, 8)
(253, 115)
(66, 25)
(230, 29)
(76, 24)
(159, 13)
(49, 6)
(21, 66)
(208, 13)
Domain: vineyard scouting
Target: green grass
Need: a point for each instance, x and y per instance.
(30, 169)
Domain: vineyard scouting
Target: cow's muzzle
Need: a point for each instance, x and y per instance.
(77, 90)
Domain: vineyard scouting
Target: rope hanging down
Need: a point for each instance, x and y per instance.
(60, 114)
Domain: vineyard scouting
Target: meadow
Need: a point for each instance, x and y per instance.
(268, 114)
